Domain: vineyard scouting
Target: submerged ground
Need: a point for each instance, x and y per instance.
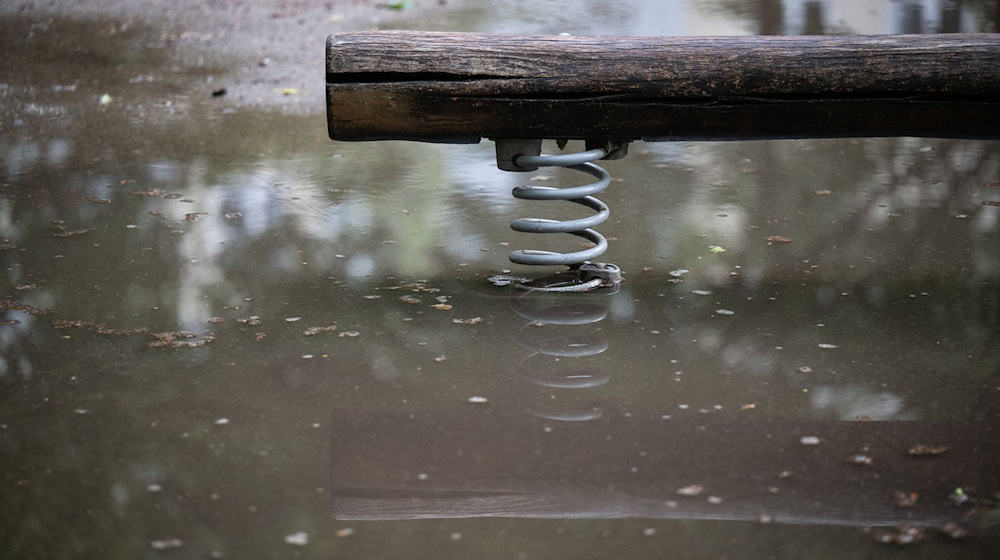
(223, 335)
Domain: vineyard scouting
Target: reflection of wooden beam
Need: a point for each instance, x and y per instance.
(459, 87)
(488, 462)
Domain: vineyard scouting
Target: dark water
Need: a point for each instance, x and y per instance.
(349, 373)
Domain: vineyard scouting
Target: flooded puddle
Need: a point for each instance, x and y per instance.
(223, 335)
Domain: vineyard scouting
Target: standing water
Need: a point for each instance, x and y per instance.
(223, 335)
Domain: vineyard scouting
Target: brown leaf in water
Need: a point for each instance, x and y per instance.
(921, 450)
(193, 216)
(72, 233)
(98, 200)
(154, 193)
(312, 331)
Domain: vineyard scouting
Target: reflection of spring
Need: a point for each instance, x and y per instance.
(581, 195)
(551, 392)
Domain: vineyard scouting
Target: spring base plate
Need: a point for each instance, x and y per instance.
(584, 278)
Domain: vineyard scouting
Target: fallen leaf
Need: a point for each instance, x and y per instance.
(98, 200)
(193, 216)
(469, 321)
(921, 450)
(778, 239)
(442, 306)
(312, 331)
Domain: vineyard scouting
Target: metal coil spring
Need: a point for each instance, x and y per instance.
(582, 227)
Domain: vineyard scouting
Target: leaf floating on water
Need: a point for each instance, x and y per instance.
(180, 339)
(154, 193)
(778, 239)
(251, 321)
(805, 369)
(234, 216)
(716, 249)
(300, 538)
(22, 287)
(164, 544)
(98, 200)
(902, 536)
(469, 321)
(904, 499)
(442, 306)
(312, 331)
(501, 280)
(724, 312)
(478, 400)
(193, 216)
(749, 406)
(692, 490)
(412, 300)
(345, 532)
(826, 346)
(72, 233)
(289, 91)
(351, 334)
(678, 272)
(809, 440)
(701, 292)
(922, 450)
(217, 320)
(822, 193)
(292, 319)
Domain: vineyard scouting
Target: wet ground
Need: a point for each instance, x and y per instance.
(223, 335)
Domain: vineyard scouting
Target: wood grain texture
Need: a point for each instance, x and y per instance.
(460, 87)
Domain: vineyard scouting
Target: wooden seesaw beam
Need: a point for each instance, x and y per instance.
(461, 87)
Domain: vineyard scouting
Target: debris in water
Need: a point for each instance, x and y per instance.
(821, 193)
(9, 322)
(958, 497)
(692, 490)
(809, 440)
(98, 200)
(954, 530)
(863, 460)
(826, 346)
(71, 233)
(221, 421)
(155, 193)
(805, 369)
(216, 320)
(234, 216)
(716, 249)
(81, 411)
(442, 306)
(714, 500)
(412, 300)
(478, 400)
(104, 99)
(921, 450)
(260, 336)
(678, 272)
(219, 92)
(312, 331)
(23, 287)
(251, 321)
(180, 339)
(351, 334)
(164, 544)
(904, 535)
(440, 358)
(300, 538)
(904, 499)
(749, 406)
(991, 203)
(701, 292)
(778, 239)
(193, 216)
(469, 321)
(648, 532)
(292, 319)
(345, 532)
(724, 312)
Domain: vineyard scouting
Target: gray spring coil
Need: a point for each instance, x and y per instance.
(582, 227)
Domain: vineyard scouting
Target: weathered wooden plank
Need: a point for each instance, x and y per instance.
(464, 86)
